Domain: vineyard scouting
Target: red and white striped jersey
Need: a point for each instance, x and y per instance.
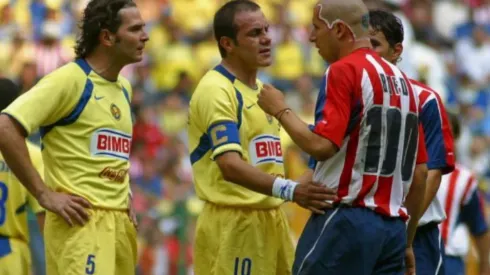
(461, 200)
(438, 141)
(368, 108)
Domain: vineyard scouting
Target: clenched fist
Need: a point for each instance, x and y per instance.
(271, 100)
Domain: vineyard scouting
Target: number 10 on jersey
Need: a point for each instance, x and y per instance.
(389, 139)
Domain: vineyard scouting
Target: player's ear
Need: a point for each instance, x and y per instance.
(342, 31)
(107, 38)
(227, 43)
(397, 51)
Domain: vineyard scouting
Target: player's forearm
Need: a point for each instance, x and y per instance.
(14, 150)
(483, 248)
(316, 146)
(414, 199)
(433, 183)
(239, 172)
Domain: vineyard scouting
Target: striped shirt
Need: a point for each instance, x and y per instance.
(438, 141)
(369, 110)
(462, 202)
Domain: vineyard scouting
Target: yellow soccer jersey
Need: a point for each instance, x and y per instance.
(14, 198)
(224, 116)
(86, 129)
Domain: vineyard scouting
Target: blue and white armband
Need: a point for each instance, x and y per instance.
(284, 189)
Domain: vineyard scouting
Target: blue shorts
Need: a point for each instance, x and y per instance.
(454, 265)
(429, 250)
(351, 241)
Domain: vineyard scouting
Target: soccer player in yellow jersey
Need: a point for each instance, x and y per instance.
(83, 112)
(237, 159)
(15, 257)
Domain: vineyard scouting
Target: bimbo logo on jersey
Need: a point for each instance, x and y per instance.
(265, 149)
(111, 143)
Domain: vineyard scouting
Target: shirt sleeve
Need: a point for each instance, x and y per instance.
(50, 100)
(218, 111)
(472, 212)
(338, 91)
(438, 137)
(421, 150)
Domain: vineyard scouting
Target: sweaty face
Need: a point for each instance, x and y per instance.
(381, 45)
(323, 38)
(131, 36)
(253, 40)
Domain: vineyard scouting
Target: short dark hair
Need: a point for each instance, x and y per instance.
(224, 20)
(98, 15)
(455, 125)
(9, 91)
(387, 23)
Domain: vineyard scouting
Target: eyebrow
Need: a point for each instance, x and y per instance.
(137, 26)
(258, 28)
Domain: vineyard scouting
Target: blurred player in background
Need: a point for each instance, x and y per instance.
(237, 159)
(367, 143)
(15, 257)
(83, 112)
(386, 32)
(464, 206)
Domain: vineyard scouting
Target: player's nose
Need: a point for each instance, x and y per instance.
(312, 37)
(145, 37)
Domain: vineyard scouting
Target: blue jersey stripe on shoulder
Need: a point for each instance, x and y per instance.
(240, 107)
(84, 65)
(126, 94)
(222, 70)
(202, 148)
(87, 93)
(75, 114)
(5, 247)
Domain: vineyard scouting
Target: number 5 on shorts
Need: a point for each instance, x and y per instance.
(90, 269)
(246, 266)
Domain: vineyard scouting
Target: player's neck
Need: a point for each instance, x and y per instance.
(358, 44)
(245, 75)
(104, 66)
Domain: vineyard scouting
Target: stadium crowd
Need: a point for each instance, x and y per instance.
(447, 46)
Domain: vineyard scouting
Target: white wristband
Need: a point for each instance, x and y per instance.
(284, 189)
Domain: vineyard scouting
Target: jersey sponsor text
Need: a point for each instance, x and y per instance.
(111, 143)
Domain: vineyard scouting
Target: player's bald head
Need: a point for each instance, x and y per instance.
(354, 13)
